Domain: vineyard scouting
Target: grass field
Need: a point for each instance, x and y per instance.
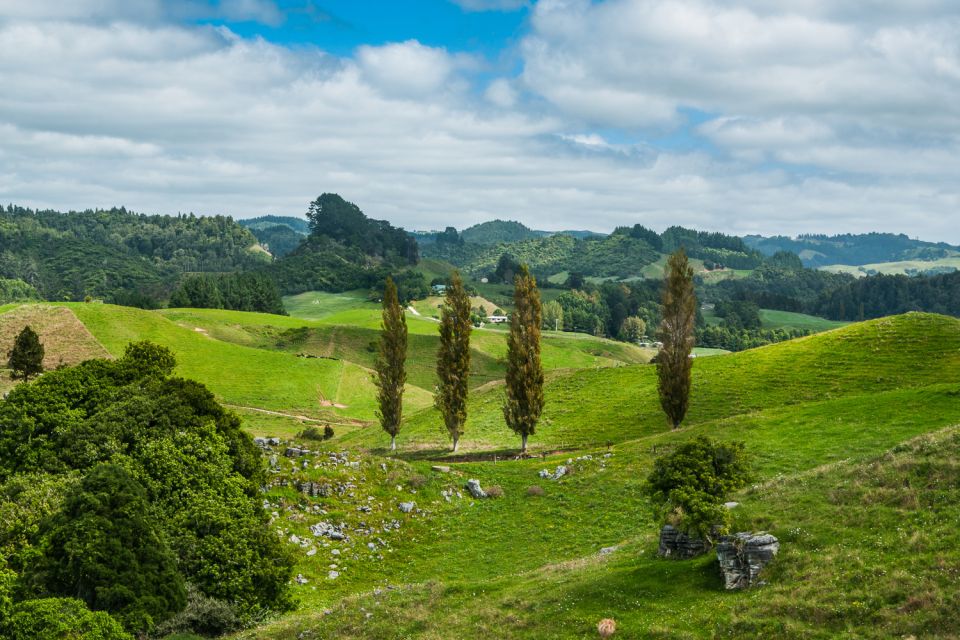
(906, 267)
(855, 473)
(853, 437)
(593, 406)
(772, 319)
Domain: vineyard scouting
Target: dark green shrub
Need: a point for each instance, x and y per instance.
(311, 433)
(327, 432)
(204, 615)
(689, 485)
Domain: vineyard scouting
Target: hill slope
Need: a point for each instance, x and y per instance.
(595, 406)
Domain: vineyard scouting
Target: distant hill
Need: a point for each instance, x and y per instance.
(300, 225)
(345, 250)
(622, 254)
(499, 231)
(852, 249)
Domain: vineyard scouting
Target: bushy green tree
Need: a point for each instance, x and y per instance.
(524, 389)
(200, 471)
(690, 485)
(61, 619)
(391, 373)
(25, 359)
(453, 359)
(103, 547)
(676, 333)
(553, 316)
(632, 329)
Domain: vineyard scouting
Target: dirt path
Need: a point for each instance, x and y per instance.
(355, 423)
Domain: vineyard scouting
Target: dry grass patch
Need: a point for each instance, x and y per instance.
(66, 341)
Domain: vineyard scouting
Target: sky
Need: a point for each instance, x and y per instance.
(742, 116)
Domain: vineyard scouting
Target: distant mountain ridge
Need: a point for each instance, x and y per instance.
(818, 250)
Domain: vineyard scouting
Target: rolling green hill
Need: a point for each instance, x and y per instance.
(854, 446)
(852, 435)
(591, 407)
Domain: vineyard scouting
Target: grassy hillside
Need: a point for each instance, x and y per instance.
(855, 473)
(773, 319)
(901, 267)
(351, 334)
(867, 546)
(241, 375)
(595, 406)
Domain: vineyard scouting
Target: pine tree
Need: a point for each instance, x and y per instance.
(391, 374)
(26, 358)
(453, 358)
(676, 334)
(524, 402)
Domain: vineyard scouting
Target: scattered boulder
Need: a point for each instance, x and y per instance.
(473, 486)
(300, 579)
(731, 505)
(295, 452)
(679, 546)
(407, 507)
(556, 475)
(439, 468)
(743, 556)
(333, 575)
(608, 550)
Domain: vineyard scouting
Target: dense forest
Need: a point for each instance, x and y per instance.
(237, 291)
(128, 491)
(115, 254)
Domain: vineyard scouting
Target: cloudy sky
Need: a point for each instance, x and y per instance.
(745, 116)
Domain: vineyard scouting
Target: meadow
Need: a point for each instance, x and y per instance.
(852, 435)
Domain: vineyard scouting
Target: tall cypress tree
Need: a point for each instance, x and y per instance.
(391, 372)
(676, 334)
(524, 402)
(453, 358)
(26, 358)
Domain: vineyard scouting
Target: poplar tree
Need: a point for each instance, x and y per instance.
(453, 358)
(524, 402)
(676, 333)
(25, 360)
(391, 373)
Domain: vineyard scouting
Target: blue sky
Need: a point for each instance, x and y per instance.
(743, 116)
(340, 26)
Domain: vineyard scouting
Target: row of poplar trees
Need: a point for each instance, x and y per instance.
(524, 377)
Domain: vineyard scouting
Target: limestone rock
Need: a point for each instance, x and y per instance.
(439, 468)
(473, 486)
(407, 507)
(743, 556)
(679, 546)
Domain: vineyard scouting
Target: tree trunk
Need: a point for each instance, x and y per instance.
(456, 443)
(393, 443)
(523, 445)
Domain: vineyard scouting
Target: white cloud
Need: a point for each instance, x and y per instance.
(822, 120)
(406, 68)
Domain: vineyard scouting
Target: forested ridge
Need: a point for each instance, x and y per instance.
(115, 254)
